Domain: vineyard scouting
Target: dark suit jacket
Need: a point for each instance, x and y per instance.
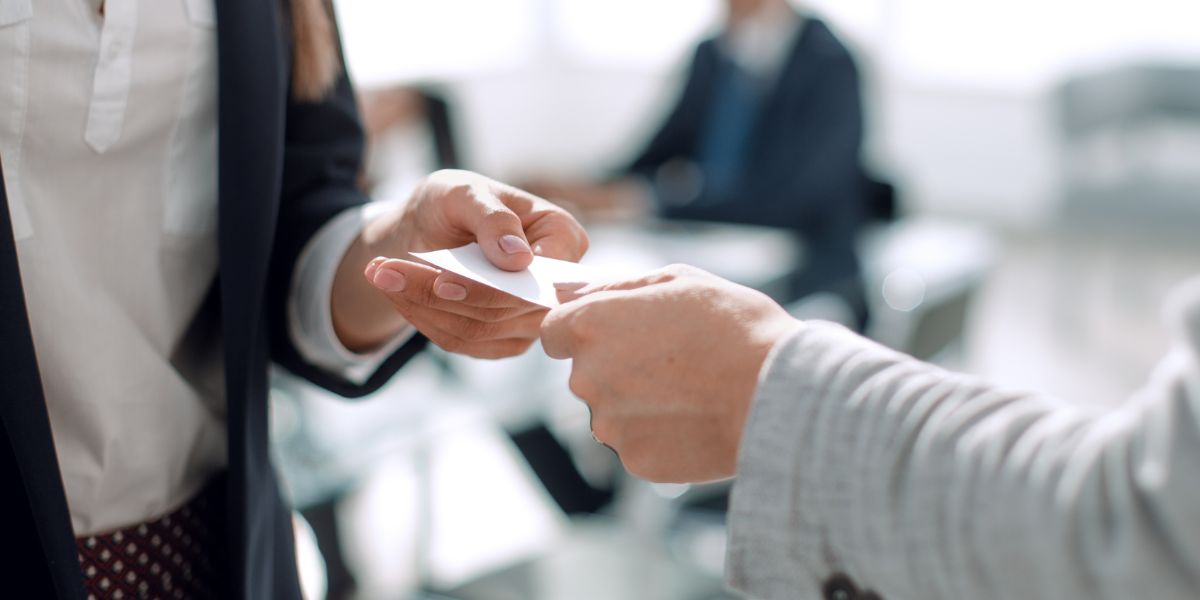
(285, 168)
(803, 172)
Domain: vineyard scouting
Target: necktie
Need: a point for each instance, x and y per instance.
(725, 141)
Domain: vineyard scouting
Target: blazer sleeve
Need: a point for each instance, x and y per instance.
(676, 138)
(322, 157)
(919, 484)
(809, 176)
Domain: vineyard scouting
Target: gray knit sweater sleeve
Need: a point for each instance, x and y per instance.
(920, 484)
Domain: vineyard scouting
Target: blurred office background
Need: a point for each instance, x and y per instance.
(1046, 161)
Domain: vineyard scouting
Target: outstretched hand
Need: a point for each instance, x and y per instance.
(669, 365)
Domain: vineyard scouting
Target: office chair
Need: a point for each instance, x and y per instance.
(1129, 144)
(1118, 130)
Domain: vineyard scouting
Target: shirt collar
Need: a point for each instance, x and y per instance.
(762, 43)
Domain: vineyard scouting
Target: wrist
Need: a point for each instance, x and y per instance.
(772, 334)
(776, 332)
(385, 234)
(363, 318)
(766, 338)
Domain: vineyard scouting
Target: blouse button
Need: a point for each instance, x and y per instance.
(840, 587)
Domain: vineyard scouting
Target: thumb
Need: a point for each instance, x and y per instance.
(499, 231)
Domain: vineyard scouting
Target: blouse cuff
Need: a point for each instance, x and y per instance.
(310, 318)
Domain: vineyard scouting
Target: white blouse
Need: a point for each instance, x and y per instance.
(108, 140)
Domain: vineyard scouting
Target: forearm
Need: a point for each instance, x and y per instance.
(924, 484)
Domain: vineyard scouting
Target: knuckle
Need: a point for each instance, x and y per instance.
(497, 315)
(576, 238)
(451, 178)
(555, 215)
(679, 270)
(450, 343)
(582, 386)
(643, 467)
(552, 339)
(420, 294)
(451, 183)
(478, 330)
(583, 326)
(640, 459)
(511, 348)
(481, 353)
(584, 242)
(401, 303)
(498, 350)
(498, 218)
(605, 429)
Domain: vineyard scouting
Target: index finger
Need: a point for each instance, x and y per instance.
(476, 294)
(552, 231)
(570, 291)
(426, 286)
(558, 334)
(572, 328)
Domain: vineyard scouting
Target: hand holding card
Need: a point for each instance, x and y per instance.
(447, 210)
(463, 303)
(458, 313)
(535, 284)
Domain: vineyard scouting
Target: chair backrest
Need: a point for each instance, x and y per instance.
(441, 124)
(922, 276)
(1127, 97)
(939, 327)
(1130, 149)
(882, 205)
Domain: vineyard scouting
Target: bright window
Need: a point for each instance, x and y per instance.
(389, 41)
(639, 33)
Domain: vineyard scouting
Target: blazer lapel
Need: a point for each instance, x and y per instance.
(251, 109)
(36, 497)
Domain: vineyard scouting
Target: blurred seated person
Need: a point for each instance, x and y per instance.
(767, 132)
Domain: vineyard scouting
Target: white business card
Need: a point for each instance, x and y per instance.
(535, 284)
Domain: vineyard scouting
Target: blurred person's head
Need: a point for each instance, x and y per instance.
(758, 34)
(739, 11)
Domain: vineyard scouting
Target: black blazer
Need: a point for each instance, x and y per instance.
(803, 172)
(285, 168)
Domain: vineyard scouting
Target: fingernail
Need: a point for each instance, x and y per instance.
(569, 286)
(451, 291)
(372, 267)
(389, 280)
(512, 244)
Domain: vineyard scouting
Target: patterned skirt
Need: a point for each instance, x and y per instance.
(181, 556)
